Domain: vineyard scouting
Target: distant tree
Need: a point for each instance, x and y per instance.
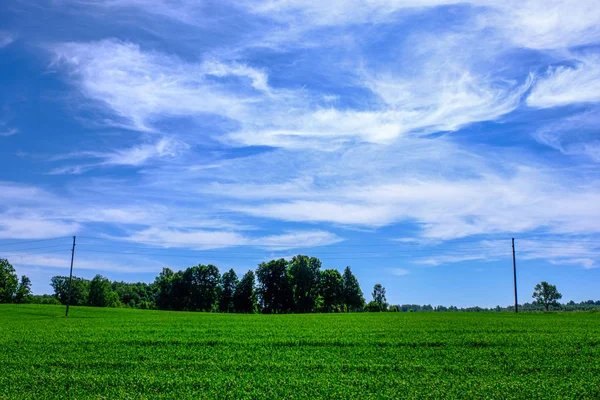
(100, 292)
(352, 295)
(244, 297)
(79, 290)
(201, 287)
(379, 296)
(331, 286)
(373, 306)
(8, 281)
(23, 294)
(112, 299)
(163, 284)
(229, 282)
(304, 274)
(45, 299)
(546, 295)
(274, 287)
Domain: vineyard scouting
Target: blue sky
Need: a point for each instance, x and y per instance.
(408, 139)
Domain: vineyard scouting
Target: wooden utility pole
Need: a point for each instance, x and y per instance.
(515, 275)
(70, 278)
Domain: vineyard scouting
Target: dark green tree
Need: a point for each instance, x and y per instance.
(79, 290)
(229, 282)
(23, 294)
(304, 273)
(546, 295)
(8, 281)
(244, 297)
(201, 287)
(100, 293)
(274, 287)
(379, 296)
(331, 289)
(352, 294)
(164, 289)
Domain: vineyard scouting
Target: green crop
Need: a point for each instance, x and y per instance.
(123, 353)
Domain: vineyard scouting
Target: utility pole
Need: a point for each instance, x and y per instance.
(515, 275)
(70, 278)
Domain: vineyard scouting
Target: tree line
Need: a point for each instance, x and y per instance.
(299, 285)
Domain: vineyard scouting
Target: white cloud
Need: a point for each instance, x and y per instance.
(9, 132)
(564, 85)
(5, 39)
(33, 227)
(446, 208)
(165, 148)
(143, 86)
(576, 135)
(398, 271)
(586, 263)
(205, 239)
(546, 24)
(99, 263)
(539, 24)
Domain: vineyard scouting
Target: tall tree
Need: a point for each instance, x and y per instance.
(100, 292)
(8, 281)
(304, 273)
(352, 294)
(379, 296)
(164, 285)
(546, 295)
(245, 296)
(23, 294)
(201, 285)
(79, 290)
(331, 290)
(229, 282)
(274, 288)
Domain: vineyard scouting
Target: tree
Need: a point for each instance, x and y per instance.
(546, 295)
(200, 288)
(331, 290)
(79, 290)
(8, 281)
(373, 306)
(304, 273)
(379, 296)
(163, 284)
(229, 282)
(23, 294)
(244, 297)
(100, 292)
(274, 288)
(352, 295)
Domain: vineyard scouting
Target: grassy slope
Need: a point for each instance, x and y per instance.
(149, 354)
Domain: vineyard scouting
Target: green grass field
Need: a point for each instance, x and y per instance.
(122, 353)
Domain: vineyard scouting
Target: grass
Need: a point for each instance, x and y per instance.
(122, 353)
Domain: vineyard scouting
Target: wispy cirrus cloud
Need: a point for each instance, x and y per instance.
(142, 86)
(563, 85)
(165, 148)
(205, 239)
(8, 132)
(5, 39)
(576, 135)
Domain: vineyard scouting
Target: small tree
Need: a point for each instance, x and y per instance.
(379, 296)
(546, 295)
(23, 294)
